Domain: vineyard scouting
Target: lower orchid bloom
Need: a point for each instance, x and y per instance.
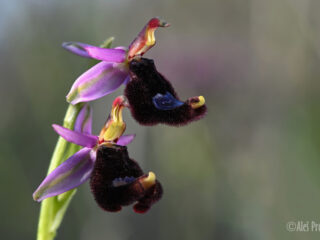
(153, 100)
(113, 70)
(77, 169)
(116, 180)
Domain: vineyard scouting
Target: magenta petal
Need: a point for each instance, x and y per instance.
(125, 82)
(82, 139)
(76, 48)
(105, 54)
(70, 174)
(83, 122)
(98, 81)
(125, 139)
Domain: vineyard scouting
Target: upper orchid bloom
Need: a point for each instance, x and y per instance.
(153, 100)
(77, 169)
(108, 75)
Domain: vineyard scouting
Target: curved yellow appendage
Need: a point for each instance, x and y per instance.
(149, 181)
(201, 101)
(115, 126)
(114, 131)
(145, 39)
(151, 40)
(151, 28)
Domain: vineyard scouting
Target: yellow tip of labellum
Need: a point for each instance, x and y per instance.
(199, 102)
(149, 181)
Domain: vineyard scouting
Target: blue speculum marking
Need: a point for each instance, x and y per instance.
(122, 181)
(166, 101)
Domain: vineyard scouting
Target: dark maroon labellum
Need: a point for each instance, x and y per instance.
(153, 100)
(116, 181)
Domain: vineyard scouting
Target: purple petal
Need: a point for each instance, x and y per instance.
(82, 139)
(122, 48)
(125, 82)
(105, 54)
(98, 81)
(76, 48)
(125, 139)
(70, 174)
(84, 120)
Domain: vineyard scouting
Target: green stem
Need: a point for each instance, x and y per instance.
(53, 208)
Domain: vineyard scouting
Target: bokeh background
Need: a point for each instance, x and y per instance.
(245, 170)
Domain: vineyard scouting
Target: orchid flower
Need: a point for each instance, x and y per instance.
(77, 169)
(118, 181)
(115, 179)
(108, 75)
(153, 100)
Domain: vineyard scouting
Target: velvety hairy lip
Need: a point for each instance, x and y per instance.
(153, 100)
(118, 181)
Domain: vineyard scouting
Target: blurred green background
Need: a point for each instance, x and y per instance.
(244, 171)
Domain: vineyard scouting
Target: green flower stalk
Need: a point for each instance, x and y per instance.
(53, 209)
(78, 117)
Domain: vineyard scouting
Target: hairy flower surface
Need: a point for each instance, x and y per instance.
(153, 100)
(116, 180)
(108, 75)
